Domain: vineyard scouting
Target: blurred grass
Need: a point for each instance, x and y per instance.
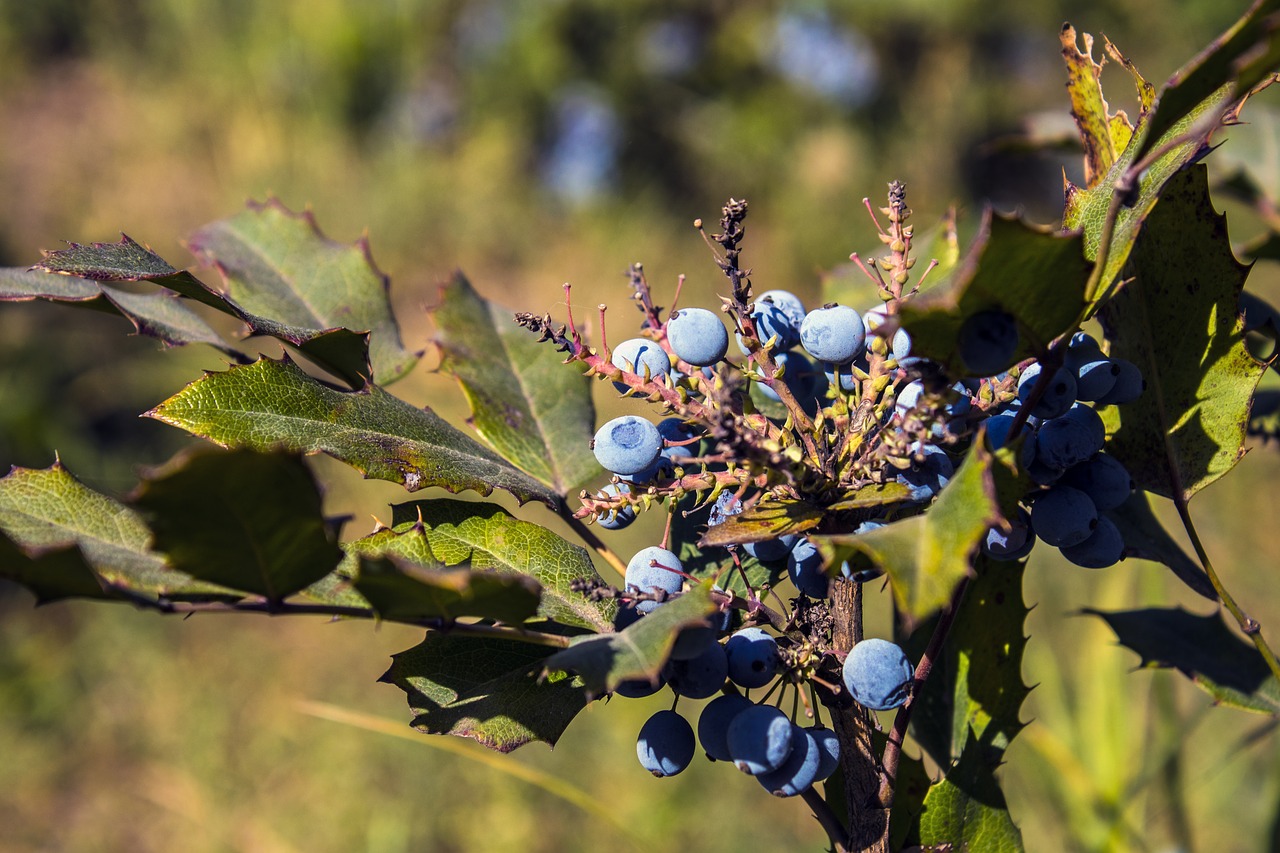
(428, 123)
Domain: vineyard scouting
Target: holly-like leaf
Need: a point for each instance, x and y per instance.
(488, 538)
(278, 264)
(1177, 320)
(871, 496)
(1034, 275)
(242, 519)
(49, 510)
(1203, 649)
(485, 689)
(524, 402)
(273, 404)
(1104, 134)
(1145, 539)
(1237, 61)
(966, 810)
(51, 574)
(969, 710)
(341, 351)
(162, 316)
(767, 519)
(638, 651)
(711, 560)
(401, 591)
(927, 555)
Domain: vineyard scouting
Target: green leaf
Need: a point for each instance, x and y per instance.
(872, 496)
(639, 651)
(966, 810)
(969, 710)
(48, 510)
(1177, 320)
(341, 351)
(278, 264)
(403, 592)
(1145, 539)
(524, 401)
(274, 404)
(711, 561)
(1239, 59)
(242, 519)
(488, 538)
(1105, 134)
(485, 689)
(1036, 276)
(1204, 649)
(767, 519)
(158, 315)
(927, 555)
(910, 787)
(51, 574)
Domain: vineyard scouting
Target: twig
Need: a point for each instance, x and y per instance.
(822, 812)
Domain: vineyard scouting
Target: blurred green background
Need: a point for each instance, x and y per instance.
(532, 144)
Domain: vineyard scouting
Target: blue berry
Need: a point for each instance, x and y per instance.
(927, 477)
(787, 302)
(713, 724)
(1095, 379)
(1063, 516)
(640, 356)
(908, 396)
(772, 550)
(1104, 547)
(1057, 398)
(799, 771)
(701, 676)
(772, 321)
(1103, 478)
(638, 688)
(988, 342)
(835, 334)
(697, 336)
(804, 567)
(627, 445)
(1012, 544)
(828, 750)
(878, 674)
(1066, 441)
(665, 746)
(799, 374)
(725, 506)
(753, 657)
(651, 570)
(1129, 385)
(616, 519)
(759, 739)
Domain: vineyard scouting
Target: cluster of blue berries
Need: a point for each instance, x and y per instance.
(1077, 482)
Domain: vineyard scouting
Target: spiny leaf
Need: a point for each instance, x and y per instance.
(1203, 649)
(278, 264)
(1177, 320)
(242, 519)
(1036, 276)
(1145, 539)
(604, 661)
(966, 810)
(1104, 133)
(401, 591)
(48, 510)
(871, 496)
(1240, 59)
(487, 537)
(51, 574)
(341, 351)
(158, 315)
(767, 519)
(485, 689)
(524, 402)
(969, 711)
(927, 555)
(703, 562)
(273, 404)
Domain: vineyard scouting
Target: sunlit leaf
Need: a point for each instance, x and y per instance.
(767, 519)
(1177, 320)
(927, 555)
(1104, 133)
(1203, 649)
(606, 660)
(273, 404)
(531, 408)
(486, 689)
